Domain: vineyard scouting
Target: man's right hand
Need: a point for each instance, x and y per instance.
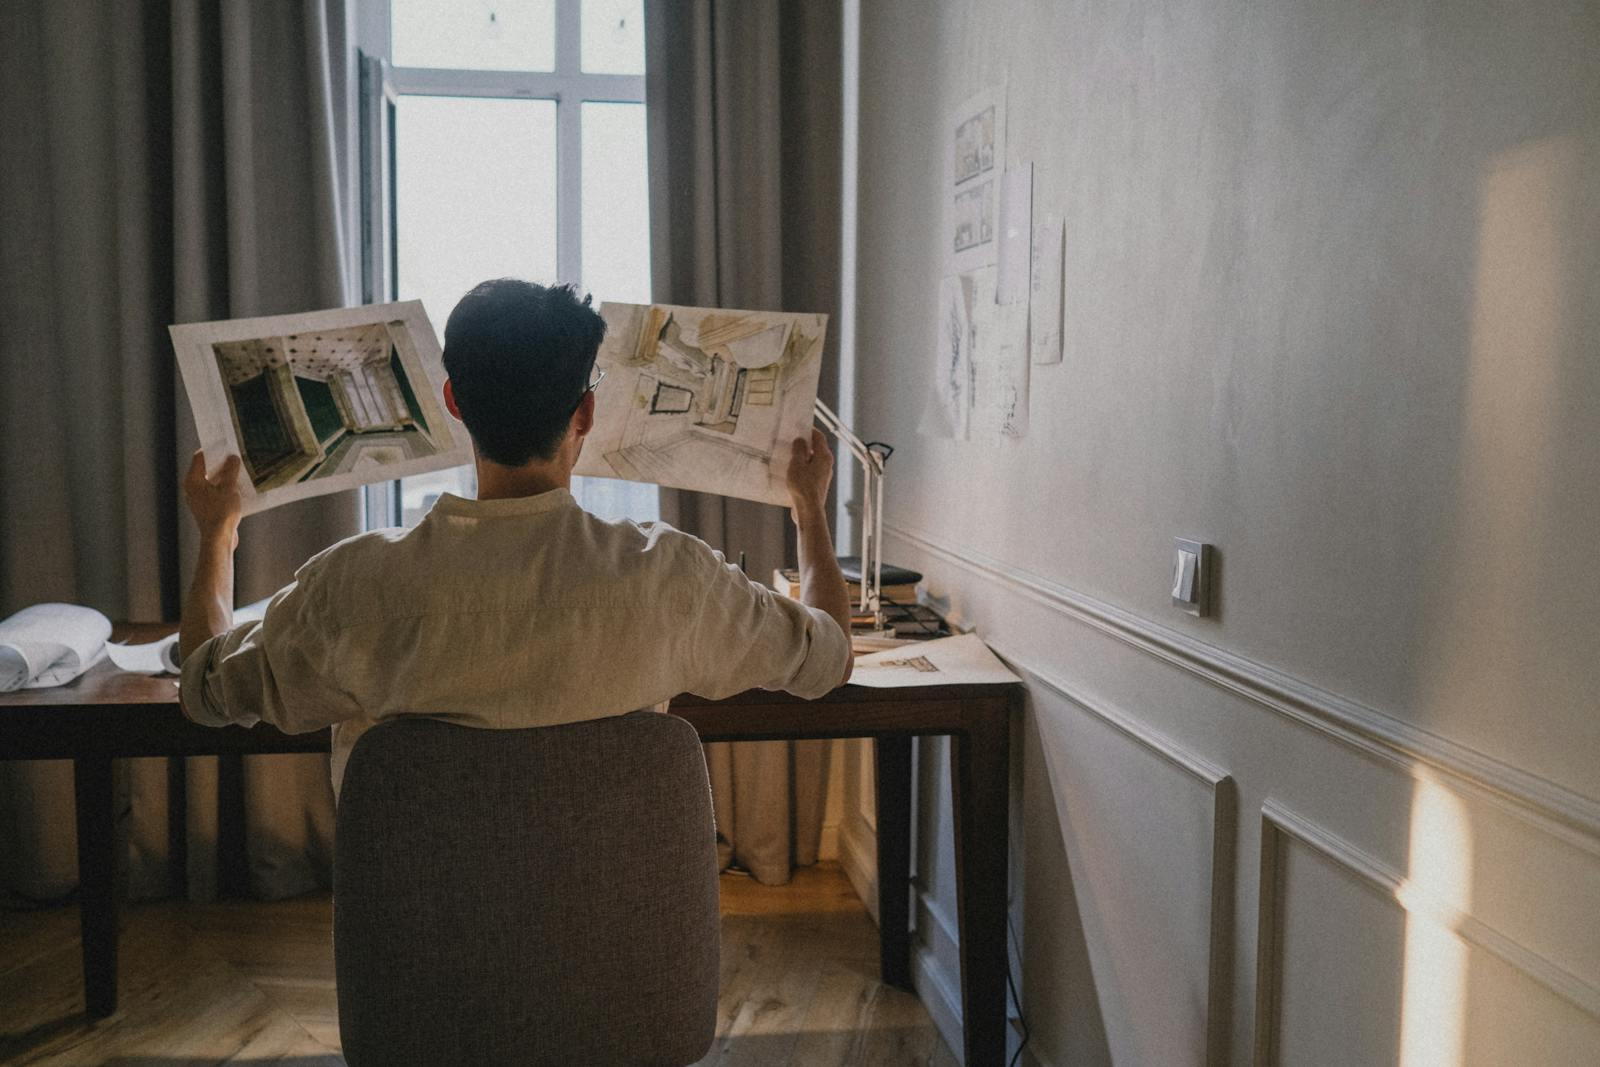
(214, 502)
(810, 474)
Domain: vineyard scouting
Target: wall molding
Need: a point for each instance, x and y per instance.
(1281, 828)
(1224, 846)
(944, 1006)
(858, 855)
(1553, 808)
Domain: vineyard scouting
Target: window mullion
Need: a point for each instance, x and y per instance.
(569, 155)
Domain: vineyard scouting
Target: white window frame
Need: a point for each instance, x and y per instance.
(381, 83)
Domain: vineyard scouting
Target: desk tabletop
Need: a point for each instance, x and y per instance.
(104, 686)
(113, 713)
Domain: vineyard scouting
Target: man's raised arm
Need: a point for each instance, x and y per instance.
(821, 582)
(214, 502)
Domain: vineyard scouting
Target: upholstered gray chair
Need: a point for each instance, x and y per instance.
(535, 896)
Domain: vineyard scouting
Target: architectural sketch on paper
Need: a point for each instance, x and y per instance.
(974, 159)
(974, 144)
(704, 399)
(321, 401)
(327, 402)
(974, 216)
(953, 381)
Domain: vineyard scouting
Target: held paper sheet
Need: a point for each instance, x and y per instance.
(960, 660)
(320, 401)
(703, 398)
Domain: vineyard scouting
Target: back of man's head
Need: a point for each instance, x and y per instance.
(519, 356)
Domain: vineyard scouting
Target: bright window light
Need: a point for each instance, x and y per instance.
(511, 160)
(475, 34)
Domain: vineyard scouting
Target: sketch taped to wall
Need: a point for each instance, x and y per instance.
(321, 401)
(974, 159)
(949, 404)
(703, 399)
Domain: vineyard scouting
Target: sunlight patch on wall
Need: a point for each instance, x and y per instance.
(1435, 894)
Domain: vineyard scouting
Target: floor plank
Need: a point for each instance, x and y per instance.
(253, 982)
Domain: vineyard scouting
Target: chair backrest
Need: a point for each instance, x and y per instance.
(526, 896)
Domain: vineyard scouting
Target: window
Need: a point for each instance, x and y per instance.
(507, 137)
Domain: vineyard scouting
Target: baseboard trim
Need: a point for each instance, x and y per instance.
(858, 855)
(934, 988)
(1555, 809)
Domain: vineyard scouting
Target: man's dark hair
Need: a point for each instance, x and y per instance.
(519, 356)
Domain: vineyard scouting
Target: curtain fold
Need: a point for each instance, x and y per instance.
(166, 162)
(744, 121)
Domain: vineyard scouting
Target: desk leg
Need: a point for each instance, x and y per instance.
(893, 766)
(980, 781)
(97, 879)
(233, 859)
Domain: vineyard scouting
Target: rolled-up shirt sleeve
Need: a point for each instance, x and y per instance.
(746, 636)
(279, 670)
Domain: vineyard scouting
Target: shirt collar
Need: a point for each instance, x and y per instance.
(450, 504)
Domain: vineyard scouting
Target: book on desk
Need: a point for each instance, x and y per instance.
(904, 613)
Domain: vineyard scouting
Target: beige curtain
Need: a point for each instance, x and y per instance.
(744, 142)
(164, 162)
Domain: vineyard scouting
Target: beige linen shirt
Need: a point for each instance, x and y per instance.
(507, 613)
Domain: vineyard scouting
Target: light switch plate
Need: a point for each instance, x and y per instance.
(1191, 577)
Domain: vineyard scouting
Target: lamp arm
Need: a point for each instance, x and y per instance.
(871, 509)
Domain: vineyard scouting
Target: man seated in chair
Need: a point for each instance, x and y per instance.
(518, 608)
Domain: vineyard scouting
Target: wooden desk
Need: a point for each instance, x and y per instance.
(107, 715)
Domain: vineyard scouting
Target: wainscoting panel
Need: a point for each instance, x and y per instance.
(1357, 963)
(1150, 836)
(1142, 742)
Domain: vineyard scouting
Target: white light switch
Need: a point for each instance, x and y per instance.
(1183, 576)
(1191, 577)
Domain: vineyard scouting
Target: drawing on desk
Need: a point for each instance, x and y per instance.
(704, 399)
(916, 663)
(960, 660)
(322, 401)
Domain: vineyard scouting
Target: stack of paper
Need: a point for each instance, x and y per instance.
(50, 644)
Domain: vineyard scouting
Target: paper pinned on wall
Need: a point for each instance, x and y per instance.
(1045, 304)
(974, 160)
(981, 311)
(1016, 225)
(1000, 378)
(950, 398)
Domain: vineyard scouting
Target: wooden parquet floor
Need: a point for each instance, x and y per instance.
(252, 982)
